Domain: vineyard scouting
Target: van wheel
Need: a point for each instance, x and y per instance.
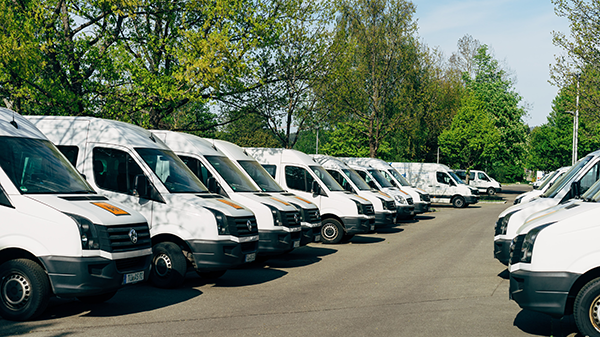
(95, 299)
(331, 231)
(24, 290)
(168, 265)
(459, 202)
(491, 191)
(587, 309)
(211, 275)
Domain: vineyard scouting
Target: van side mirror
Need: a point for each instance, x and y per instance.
(372, 184)
(144, 189)
(348, 187)
(452, 183)
(211, 184)
(316, 189)
(575, 189)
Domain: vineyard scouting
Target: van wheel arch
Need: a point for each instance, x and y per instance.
(577, 286)
(459, 202)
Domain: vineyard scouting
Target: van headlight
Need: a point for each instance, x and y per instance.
(529, 241)
(358, 207)
(518, 200)
(277, 220)
(221, 219)
(502, 223)
(87, 231)
(400, 199)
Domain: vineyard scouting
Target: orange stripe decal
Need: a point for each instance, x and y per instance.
(302, 199)
(281, 201)
(113, 209)
(232, 204)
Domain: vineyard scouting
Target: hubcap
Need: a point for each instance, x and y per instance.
(330, 231)
(595, 313)
(162, 265)
(16, 290)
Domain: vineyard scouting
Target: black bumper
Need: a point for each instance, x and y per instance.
(502, 251)
(277, 242)
(405, 212)
(88, 276)
(221, 255)
(421, 207)
(358, 225)
(383, 219)
(471, 199)
(310, 234)
(545, 292)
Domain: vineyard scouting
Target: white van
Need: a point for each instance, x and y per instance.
(420, 198)
(533, 194)
(190, 227)
(310, 217)
(342, 214)
(576, 181)
(375, 179)
(480, 180)
(351, 181)
(442, 184)
(279, 226)
(555, 262)
(58, 236)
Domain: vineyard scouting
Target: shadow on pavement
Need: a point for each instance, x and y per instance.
(504, 274)
(361, 240)
(389, 230)
(539, 324)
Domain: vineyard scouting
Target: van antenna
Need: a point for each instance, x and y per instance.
(13, 123)
(213, 144)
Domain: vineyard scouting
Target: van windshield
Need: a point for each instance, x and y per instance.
(326, 178)
(593, 193)
(171, 171)
(238, 181)
(547, 181)
(566, 179)
(458, 180)
(399, 177)
(35, 166)
(357, 179)
(380, 178)
(260, 176)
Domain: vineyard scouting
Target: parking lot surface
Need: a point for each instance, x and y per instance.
(433, 276)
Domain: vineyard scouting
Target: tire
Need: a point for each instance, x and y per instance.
(586, 309)
(95, 299)
(24, 290)
(332, 231)
(459, 202)
(168, 265)
(491, 191)
(211, 275)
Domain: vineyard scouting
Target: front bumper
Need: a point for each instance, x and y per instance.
(502, 250)
(359, 225)
(422, 207)
(310, 233)
(405, 212)
(277, 241)
(88, 276)
(385, 218)
(221, 255)
(545, 292)
(471, 199)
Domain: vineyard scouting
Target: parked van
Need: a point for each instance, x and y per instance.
(190, 227)
(576, 181)
(480, 180)
(374, 178)
(421, 199)
(279, 226)
(533, 194)
(310, 218)
(554, 263)
(343, 214)
(385, 206)
(58, 236)
(442, 184)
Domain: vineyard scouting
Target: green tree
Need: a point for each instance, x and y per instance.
(349, 139)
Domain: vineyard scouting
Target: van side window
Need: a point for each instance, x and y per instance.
(482, 176)
(298, 178)
(471, 176)
(197, 167)
(442, 178)
(115, 170)
(388, 177)
(271, 169)
(70, 152)
(590, 178)
(341, 180)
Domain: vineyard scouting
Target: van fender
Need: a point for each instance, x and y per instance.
(27, 244)
(585, 263)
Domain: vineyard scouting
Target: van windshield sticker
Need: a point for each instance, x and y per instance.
(113, 209)
(304, 200)
(281, 201)
(232, 204)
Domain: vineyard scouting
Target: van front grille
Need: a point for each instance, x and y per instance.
(123, 238)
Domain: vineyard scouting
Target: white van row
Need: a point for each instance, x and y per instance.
(549, 244)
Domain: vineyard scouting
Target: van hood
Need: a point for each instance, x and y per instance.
(98, 209)
(268, 199)
(295, 200)
(194, 203)
(557, 213)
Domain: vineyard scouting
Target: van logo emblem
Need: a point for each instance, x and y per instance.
(296, 217)
(249, 225)
(133, 236)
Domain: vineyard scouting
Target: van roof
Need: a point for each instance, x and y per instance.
(278, 154)
(329, 161)
(187, 143)
(232, 150)
(372, 162)
(24, 128)
(71, 129)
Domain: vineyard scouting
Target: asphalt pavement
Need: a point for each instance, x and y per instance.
(432, 276)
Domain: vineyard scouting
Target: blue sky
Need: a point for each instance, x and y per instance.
(518, 32)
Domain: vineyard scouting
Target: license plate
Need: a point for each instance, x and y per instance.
(250, 257)
(296, 244)
(372, 227)
(133, 277)
(317, 238)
